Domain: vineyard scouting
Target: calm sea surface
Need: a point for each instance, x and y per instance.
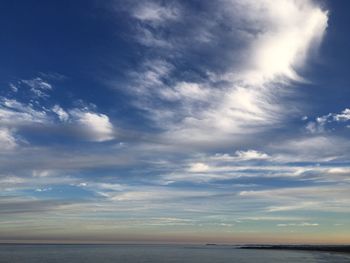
(157, 254)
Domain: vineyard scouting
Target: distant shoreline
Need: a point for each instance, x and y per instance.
(323, 248)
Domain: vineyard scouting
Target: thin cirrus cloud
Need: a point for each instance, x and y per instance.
(38, 87)
(153, 12)
(241, 98)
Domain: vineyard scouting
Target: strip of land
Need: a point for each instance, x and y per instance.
(325, 248)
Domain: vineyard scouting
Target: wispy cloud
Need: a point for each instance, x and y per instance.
(304, 224)
(38, 87)
(242, 97)
(153, 12)
(7, 139)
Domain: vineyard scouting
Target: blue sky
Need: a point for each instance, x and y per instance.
(174, 121)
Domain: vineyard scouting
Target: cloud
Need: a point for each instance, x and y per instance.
(144, 194)
(43, 189)
(241, 155)
(314, 198)
(61, 113)
(13, 87)
(42, 173)
(38, 87)
(13, 116)
(198, 168)
(186, 91)
(153, 12)
(13, 112)
(251, 155)
(241, 88)
(97, 126)
(343, 116)
(293, 28)
(326, 122)
(152, 75)
(17, 116)
(317, 159)
(200, 173)
(152, 17)
(304, 224)
(315, 148)
(17, 206)
(7, 140)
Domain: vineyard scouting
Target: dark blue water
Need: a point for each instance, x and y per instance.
(157, 254)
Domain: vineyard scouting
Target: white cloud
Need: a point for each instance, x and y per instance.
(148, 11)
(304, 224)
(96, 125)
(38, 87)
(288, 30)
(17, 183)
(321, 123)
(293, 27)
(186, 91)
(13, 87)
(149, 194)
(200, 172)
(43, 189)
(251, 155)
(198, 168)
(277, 43)
(320, 148)
(147, 38)
(16, 113)
(343, 116)
(239, 155)
(7, 140)
(314, 127)
(330, 198)
(153, 73)
(42, 173)
(61, 113)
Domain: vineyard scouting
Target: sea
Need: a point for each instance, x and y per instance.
(20, 253)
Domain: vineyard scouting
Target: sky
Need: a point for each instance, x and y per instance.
(192, 121)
